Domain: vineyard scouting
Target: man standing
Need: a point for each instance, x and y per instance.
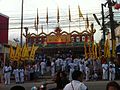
(72, 66)
(7, 73)
(21, 75)
(76, 83)
(87, 72)
(43, 66)
(111, 71)
(16, 74)
(105, 71)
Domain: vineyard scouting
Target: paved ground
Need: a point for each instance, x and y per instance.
(92, 85)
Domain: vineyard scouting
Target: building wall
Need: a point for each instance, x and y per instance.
(4, 24)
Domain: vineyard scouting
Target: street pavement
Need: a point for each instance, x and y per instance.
(92, 85)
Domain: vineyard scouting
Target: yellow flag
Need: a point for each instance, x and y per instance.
(80, 13)
(93, 50)
(105, 49)
(99, 50)
(96, 54)
(90, 56)
(26, 53)
(108, 49)
(32, 53)
(18, 53)
(11, 53)
(23, 52)
(113, 49)
(85, 50)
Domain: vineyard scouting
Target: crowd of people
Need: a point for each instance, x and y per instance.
(75, 84)
(92, 69)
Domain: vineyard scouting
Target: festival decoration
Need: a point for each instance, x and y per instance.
(11, 53)
(17, 53)
(32, 53)
(22, 53)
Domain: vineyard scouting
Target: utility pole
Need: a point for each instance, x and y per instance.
(26, 31)
(112, 26)
(103, 22)
(21, 39)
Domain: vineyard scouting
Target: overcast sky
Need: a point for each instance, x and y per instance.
(12, 8)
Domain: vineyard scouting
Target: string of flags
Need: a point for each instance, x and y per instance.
(36, 22)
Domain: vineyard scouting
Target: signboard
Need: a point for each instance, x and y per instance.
(61, 39)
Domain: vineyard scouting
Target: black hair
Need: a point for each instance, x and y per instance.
(17, 88)
(113, 84)
(76, 74)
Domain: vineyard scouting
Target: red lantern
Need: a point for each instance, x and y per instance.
(117, 6)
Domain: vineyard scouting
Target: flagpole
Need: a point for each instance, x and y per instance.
(47, 28)
(21, 23)
(79, 23)
(69, 26)
(69, 18)
(80, 15)
(37, 21)
(58, 17)
(47, 20)
(37, 29)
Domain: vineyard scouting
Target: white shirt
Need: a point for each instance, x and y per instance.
(77, 85)
(21, 72)
(7, 69)
(16, 72)
(42, 64)
(72, 65)
(105, 67)
(87, 70)
(113, 67)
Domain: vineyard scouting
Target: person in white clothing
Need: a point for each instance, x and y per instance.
(76, 83)
(105, 71)
(53, 69)
(21, 75)
(16, 74)
(87, 72)
(72, 66)
(81, 66)
(43, 65)
(112, 71)
(7, 73)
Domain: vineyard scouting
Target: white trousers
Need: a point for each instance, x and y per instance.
(105, 75)
(7, 78)
(17, 79)
(22, 79)
(70, 74)
(111, 76)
